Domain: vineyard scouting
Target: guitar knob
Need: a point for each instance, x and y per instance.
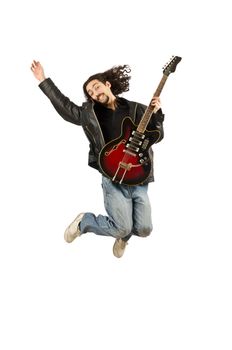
(140, 154)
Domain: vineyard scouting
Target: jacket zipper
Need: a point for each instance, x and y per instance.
(135, 111)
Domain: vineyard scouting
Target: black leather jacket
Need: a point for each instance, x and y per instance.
(85, 116)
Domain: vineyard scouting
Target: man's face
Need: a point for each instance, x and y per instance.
(99, 91)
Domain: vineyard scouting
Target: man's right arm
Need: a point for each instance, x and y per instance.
(67, 109)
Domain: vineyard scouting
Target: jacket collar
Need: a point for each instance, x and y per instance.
(88, 105)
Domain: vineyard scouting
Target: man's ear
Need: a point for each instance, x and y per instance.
(108, 84)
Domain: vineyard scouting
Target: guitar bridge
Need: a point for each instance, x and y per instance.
(125, 166)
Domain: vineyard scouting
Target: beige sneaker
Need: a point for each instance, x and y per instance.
(119, 247)
(73, 231)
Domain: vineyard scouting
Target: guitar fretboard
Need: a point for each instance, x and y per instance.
(150, 109)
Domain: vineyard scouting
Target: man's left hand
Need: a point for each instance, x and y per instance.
(155, 102)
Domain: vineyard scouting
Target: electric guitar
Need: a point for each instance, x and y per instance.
(125, 159)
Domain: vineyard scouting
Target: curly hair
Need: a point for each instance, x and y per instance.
(117, 76)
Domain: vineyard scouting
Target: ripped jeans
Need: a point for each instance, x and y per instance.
(128, 209)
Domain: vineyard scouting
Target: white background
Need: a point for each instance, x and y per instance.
(171, 290)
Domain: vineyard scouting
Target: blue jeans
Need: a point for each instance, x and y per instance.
(128, 209)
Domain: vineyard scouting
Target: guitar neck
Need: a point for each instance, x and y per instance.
(150, 109)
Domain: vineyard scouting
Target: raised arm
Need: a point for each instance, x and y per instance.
(66, 108)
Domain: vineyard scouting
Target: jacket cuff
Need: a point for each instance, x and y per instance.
(45, 84)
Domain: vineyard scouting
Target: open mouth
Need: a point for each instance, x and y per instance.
(100, 97)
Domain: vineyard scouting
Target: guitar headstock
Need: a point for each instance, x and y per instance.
(170, 66)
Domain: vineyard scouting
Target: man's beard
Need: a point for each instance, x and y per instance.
(104, 101)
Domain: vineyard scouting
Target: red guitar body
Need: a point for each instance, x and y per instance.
(126, 159)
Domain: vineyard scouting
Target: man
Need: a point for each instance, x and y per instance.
(128, 207)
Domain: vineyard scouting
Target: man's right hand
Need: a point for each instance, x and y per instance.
(38, 71)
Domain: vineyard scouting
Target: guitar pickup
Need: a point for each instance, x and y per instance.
(138, 134)
(132, 147)
(137, 142)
